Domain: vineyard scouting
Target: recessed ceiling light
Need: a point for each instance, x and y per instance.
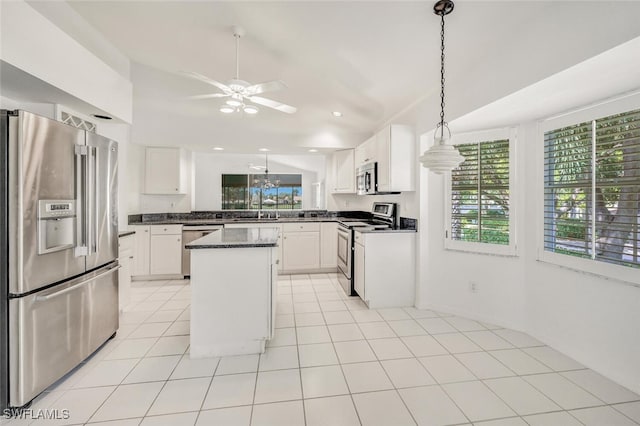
(337, 114)
(227, 109)
(313, 150)
(263, 149)
(217, 148)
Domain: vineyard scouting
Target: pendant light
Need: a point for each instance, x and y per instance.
(265, 183)
(441, 157)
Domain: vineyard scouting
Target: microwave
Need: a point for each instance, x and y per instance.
(367, 179)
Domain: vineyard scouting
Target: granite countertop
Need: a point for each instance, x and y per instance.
(237, 238)
(385, 231)
(125, 233)
(244, 220)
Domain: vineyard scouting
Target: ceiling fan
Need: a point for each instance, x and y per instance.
(240, 91)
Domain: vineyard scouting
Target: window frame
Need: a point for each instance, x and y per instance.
(602, 269)
(511, 249)
(250, 186)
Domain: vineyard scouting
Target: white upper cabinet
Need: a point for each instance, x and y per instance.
(344, 178)
(367, 151)
(166, 171)
(395, 154)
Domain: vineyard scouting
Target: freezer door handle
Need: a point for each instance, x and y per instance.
(90, 195)
(73, 287)
(81, 172)
(96, 200)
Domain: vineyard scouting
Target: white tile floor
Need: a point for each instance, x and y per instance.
(332, 362)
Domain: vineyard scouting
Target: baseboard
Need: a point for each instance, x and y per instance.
(156, 277)
(309, 271)
(484, 318)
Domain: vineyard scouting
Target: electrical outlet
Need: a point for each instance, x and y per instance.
(473, 286)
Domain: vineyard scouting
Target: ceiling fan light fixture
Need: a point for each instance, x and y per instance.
(227, 109)
(441, 157)
(250, 109)
(234, 103)
(337, 114)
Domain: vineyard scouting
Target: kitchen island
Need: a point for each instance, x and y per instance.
(233, 291)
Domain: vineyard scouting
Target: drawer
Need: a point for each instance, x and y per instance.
(166, 230)
(301, 227)
(126, 243)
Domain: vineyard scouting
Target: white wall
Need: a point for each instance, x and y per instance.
(210, 167)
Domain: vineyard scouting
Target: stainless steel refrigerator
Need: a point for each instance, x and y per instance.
(59, 236)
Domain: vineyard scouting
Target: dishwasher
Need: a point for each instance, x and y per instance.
(191, 233)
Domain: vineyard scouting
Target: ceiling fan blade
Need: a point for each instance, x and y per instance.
(273, 104)
(267, 86)
(200, 77)
(209, 96)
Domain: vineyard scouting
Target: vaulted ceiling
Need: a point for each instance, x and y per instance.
(369, 60)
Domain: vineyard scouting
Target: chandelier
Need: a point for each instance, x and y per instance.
(264, 182)
(442, 157)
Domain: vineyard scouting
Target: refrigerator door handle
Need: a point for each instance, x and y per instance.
(96, 200)
(90, 178)
(81, 172)
(73, 287)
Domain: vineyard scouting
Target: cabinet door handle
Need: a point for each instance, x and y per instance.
(146, 230)
(130, 257)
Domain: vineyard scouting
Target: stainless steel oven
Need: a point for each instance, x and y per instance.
(345, 254)
(383, 216)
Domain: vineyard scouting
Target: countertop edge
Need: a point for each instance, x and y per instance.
(222, 245)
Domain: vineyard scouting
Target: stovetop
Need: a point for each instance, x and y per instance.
(369, 225)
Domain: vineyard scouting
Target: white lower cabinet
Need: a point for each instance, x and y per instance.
(384, 268)
(166, 255)
(141, 245)
(302, 247)
(158, 250)
(359, 271)
(126, 261)
(328, 245)
(301, 251)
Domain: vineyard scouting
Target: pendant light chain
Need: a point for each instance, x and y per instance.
(441, 157)
(442, 74)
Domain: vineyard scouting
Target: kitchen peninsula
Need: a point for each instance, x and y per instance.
(233, 291)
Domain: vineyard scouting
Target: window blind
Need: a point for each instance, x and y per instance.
(592, 189)
(480, 193)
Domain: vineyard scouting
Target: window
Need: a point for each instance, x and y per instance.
(244, 192)
(479, 210)
(592, 189)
